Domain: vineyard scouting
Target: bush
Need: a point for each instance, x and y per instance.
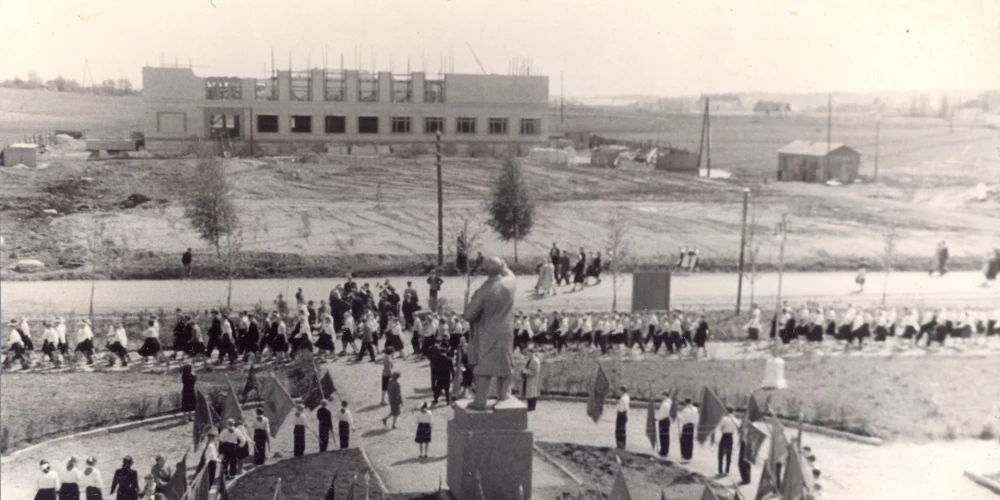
(477, 150)
(4, 439)
(449, 149)
(419, 149)
(988, 432)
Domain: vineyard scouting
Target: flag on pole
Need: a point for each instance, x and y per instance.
(277, 405)
(651, 419)
(794, 485)
(277, 490)
(767, 484)
(331, 492)
(231, 406)
(200, 486)
(620, 489)
(177, 485)
(202, 417)
(708, 494)
(321, 389)
(595, 405)
(754, 413)
(251, 383)
(712, 412)
(223, 494)
(754, 439)
(779, 444)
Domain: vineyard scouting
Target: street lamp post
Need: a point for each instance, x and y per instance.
(781, 231)
(774, 368)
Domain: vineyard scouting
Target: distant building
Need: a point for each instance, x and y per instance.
(320, 110)
(807, 161)
(720, 102)
(769, 108)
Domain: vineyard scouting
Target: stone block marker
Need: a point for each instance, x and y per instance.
(495, 445)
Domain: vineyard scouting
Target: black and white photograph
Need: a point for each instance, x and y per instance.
(500, 250)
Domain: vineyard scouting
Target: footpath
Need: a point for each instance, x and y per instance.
(849, 470)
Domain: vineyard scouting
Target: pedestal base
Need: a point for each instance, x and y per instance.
(774, 374)
(495, 444)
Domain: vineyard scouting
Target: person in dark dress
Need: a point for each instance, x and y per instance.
(562, 269)
(186, 262)
(423, 437)
(578, 273)
(444, 368)
(701, 336)
(126, 481)
(188, 399)
(395, 400)
(261, 428)
(214, 334)
(251, 340)
(181, 335)
(345, 425)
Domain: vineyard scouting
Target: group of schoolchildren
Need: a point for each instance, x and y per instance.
(609, 332)
(811, 323)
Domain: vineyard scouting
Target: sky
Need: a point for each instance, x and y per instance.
(600, 47)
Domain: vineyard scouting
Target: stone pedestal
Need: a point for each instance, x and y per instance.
(774, 374)
(497, 444)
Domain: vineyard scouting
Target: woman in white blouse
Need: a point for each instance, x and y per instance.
(91, 480)
(70, 477)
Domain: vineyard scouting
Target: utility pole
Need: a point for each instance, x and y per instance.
(878, 122)
(562, 91)
(829, 126)
(708, 140)
(743, 246)
(437, 163)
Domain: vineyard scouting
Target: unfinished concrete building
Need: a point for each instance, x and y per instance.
(320, 110)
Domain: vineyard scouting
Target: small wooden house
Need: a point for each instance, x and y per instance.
(807, 161)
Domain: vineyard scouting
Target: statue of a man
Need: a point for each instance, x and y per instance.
(491, 315)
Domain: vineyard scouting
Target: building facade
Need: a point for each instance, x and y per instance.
(808, 161)
(319, 110)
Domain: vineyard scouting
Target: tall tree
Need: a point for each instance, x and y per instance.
(210, 208)
(512, 208)
(619, 249)
(125, 86)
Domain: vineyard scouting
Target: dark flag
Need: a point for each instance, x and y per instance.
(321, 389)
(202, 417)
(595, 405)
(251, 383)
(231, 405)
(277, 405)
(223, 494)
(767, 484)
(754, 438)
(177, 485)
(794, 485)
(200, 487)
(712, 412)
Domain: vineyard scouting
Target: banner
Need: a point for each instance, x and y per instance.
(602, 386)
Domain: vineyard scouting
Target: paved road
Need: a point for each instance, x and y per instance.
(701, 290)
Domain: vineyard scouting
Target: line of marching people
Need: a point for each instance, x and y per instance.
(811, 323)
(672, 331)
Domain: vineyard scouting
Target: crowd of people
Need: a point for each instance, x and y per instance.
(75, 481)
(812, 323)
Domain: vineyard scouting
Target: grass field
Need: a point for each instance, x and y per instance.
(325, 214)
(910, 398)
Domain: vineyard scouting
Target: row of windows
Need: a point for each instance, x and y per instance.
(335, 89)
(302, 124)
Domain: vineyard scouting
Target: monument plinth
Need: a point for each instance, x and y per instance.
(496, 445)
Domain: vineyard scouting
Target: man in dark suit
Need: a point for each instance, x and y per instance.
(325, 425)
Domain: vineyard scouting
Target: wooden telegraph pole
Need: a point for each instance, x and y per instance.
(781, 231)
(878, 122)
(743, 246)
